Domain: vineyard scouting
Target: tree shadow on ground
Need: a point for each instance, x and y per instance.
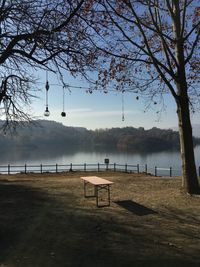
(134, 207)
(45, 228)
(19, 205)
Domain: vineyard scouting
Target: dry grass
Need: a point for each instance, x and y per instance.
(45, 221)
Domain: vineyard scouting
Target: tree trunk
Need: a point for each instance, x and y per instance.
(189, 173)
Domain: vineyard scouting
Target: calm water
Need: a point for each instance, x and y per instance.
(161, 159)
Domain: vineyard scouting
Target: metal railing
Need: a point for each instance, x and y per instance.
(56, 168)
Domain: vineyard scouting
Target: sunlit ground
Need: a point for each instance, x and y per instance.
(46, 221)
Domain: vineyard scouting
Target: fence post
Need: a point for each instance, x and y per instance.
(98, 166)
(114, 167)
(199, 170)
(107, 166)
(126, 167)
(8, 168)
(84, 167)
(25, 168)
(41, 168)
(146, 168)
(138, 168)
(155, 171)
(170, 171)
(70, 169)
(56, 168)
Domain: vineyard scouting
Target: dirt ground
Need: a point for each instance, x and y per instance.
(45, 221)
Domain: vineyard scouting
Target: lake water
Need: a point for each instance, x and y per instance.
(163, 160)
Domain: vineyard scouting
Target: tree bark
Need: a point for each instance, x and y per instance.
(189, 173)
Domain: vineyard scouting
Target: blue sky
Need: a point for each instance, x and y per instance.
(100, 110)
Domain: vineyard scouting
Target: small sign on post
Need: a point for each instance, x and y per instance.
(106, 161)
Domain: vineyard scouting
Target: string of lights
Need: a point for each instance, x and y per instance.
(64, 86)
(90, 89)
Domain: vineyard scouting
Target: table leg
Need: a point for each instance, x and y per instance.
(97, 189)
(108, 194)
(96, 194)
(85, 188)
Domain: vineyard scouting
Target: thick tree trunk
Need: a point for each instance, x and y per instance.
(189, 173)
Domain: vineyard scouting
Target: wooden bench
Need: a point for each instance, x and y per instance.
(99, 184)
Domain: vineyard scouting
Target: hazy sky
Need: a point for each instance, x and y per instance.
(100, 110)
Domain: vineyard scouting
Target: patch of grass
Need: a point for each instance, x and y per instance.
(45, 221)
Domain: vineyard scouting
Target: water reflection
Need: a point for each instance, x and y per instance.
(18, 156)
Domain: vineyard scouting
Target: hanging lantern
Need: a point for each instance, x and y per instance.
(63, 113)
(46, 112)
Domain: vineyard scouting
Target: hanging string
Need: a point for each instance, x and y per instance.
(63, 113)
(47, 88)
(63, 99)
(89, 90)
(47, 113)
(123, 118)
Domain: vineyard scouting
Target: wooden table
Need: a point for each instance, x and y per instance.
(99, 184)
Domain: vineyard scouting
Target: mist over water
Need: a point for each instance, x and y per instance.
(165, 159)
(17, 156)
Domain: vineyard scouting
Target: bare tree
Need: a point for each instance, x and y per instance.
(152, 47)
(39, 34)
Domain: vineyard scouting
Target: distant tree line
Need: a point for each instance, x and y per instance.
(52, 135)
(137, 139)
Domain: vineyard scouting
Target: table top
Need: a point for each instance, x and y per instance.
(95, 180)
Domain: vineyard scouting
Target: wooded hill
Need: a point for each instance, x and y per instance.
(53, 135)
